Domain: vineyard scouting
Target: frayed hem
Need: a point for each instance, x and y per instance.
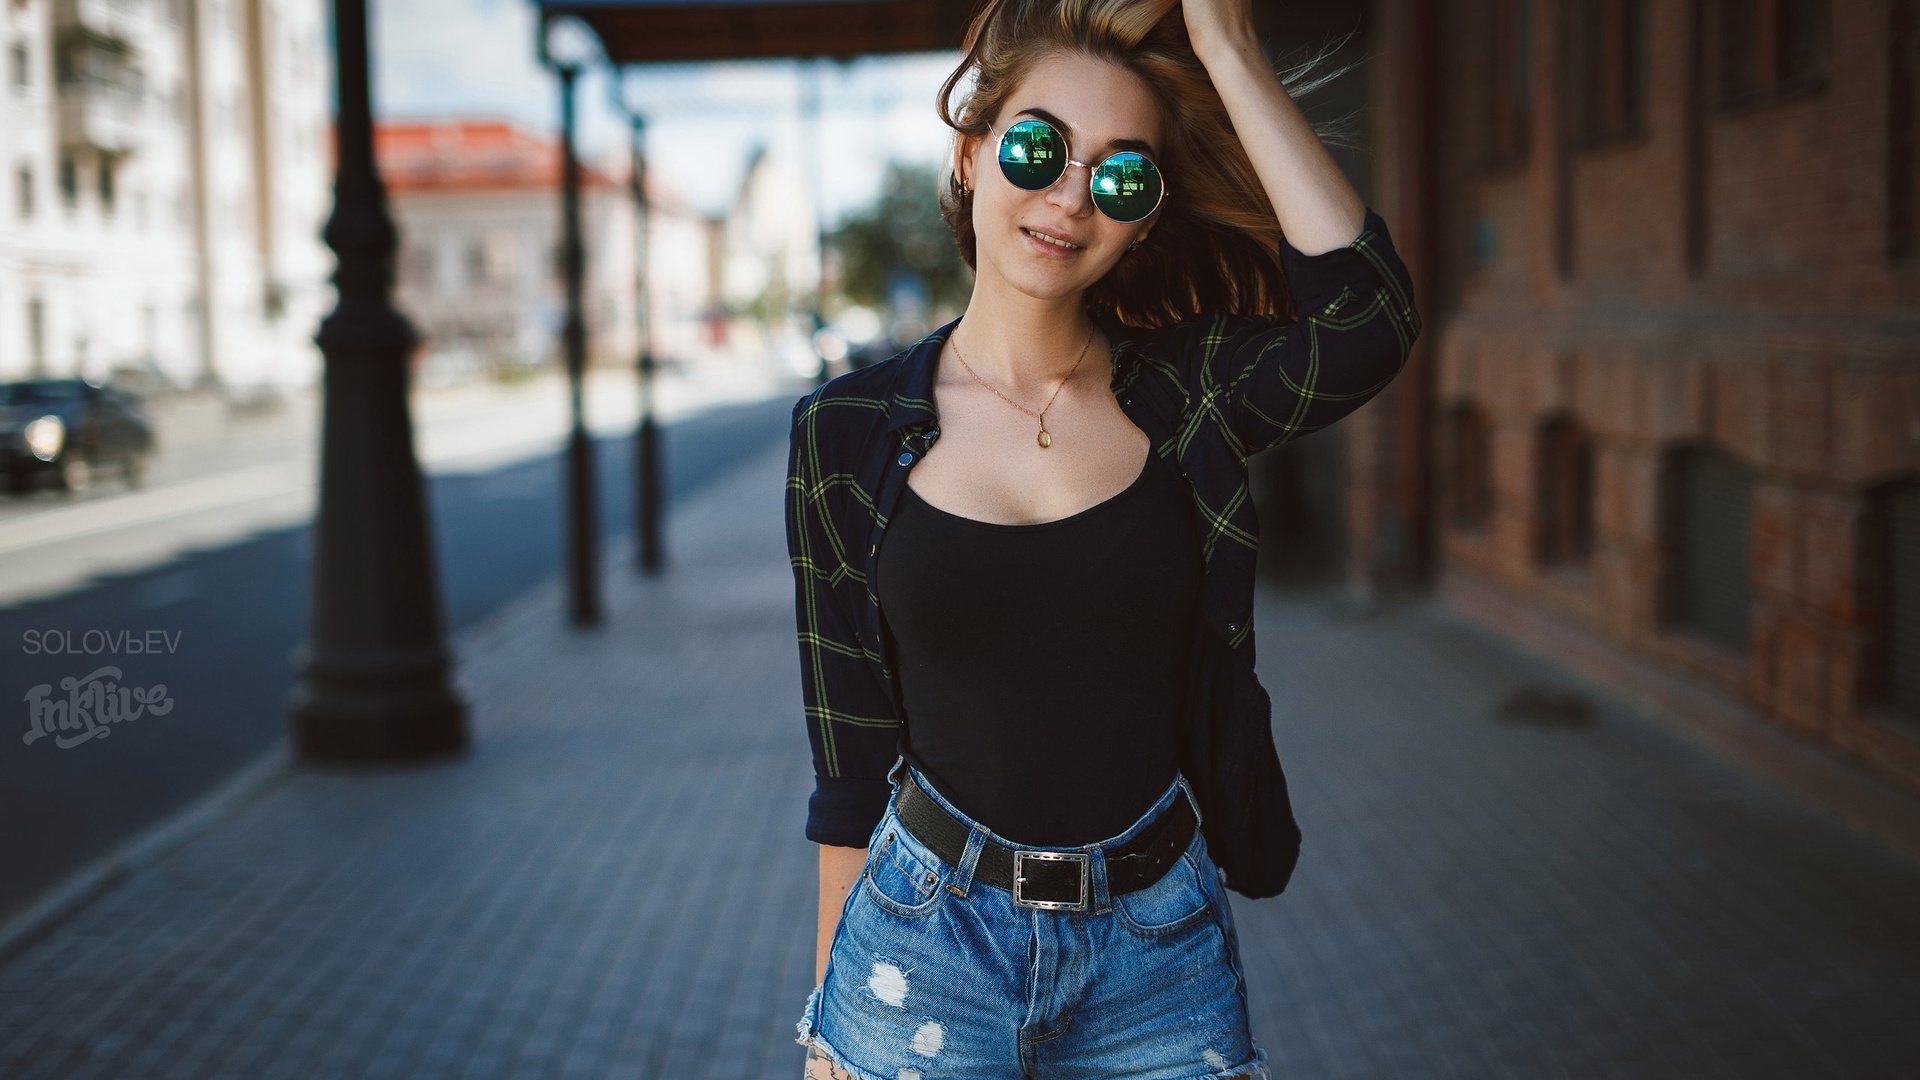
(809, 1037)
(1255, 1069)
(834, 1059)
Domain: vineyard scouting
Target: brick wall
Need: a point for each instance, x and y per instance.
(1722, 278)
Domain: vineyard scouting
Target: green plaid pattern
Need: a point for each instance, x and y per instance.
(1209, 393)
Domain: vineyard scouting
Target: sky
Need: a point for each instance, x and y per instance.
(475, 58)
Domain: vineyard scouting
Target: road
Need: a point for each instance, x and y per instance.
(226, 618)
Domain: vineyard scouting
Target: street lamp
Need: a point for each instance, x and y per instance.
(374, 671)
(566, 46)
(647, 439)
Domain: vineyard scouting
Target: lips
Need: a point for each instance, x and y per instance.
(1051, 239)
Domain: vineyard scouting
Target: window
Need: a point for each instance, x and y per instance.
(22, 75)
(476, 262)
(1708, 516)
(1767, 49)
(416, 267)
(1564, 494)
(23, 191)
(1610, 70)
(105, 180)
(1510, 78)
(1903, 131)
(37, 336)
(69, 183)
(1469, 467)
(1897, 540)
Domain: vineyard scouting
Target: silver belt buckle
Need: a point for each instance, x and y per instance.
(1022, 857)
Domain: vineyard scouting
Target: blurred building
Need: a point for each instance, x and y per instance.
(478, 207)
(1664, 420)
(165, 182)
(768, 262)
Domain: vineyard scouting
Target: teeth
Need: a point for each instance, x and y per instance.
(1051, 240)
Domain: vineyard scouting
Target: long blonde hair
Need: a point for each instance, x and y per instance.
(1215, 246)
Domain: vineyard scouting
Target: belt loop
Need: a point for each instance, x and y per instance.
(1099, 896)
(962, 882)
(1193, 799)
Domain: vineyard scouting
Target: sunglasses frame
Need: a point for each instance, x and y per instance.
(1091, 194)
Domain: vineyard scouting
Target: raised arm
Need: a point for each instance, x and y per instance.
(1318, 209)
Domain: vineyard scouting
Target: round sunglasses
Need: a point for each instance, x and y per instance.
(1126, 186)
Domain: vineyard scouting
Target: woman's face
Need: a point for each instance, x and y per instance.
(1054, 242)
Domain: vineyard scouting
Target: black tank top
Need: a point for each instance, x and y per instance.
(1043, 667)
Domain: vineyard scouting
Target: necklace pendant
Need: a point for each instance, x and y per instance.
(1046, 440)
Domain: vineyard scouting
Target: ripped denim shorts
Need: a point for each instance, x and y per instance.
(935, 974)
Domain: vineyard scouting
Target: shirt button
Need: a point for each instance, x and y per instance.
(906, 458)
(873, 548)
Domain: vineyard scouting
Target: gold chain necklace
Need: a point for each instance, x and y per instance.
(1045, 439)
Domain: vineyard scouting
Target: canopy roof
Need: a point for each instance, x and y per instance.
(641, 31)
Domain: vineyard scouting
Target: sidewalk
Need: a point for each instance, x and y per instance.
(615, 884)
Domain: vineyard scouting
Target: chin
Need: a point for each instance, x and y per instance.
(1044, 280)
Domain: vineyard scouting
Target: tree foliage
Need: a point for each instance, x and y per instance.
(901, 232)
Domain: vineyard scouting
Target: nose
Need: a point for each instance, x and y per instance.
(1071, 192)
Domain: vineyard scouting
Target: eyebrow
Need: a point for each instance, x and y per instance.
(1138, 146)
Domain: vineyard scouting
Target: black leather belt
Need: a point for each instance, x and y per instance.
(1055, 880)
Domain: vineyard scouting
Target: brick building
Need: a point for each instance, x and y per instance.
(1664, 422)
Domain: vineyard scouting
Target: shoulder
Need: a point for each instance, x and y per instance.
(840, 419)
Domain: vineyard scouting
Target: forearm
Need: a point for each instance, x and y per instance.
(839, 869)
(1317, 208)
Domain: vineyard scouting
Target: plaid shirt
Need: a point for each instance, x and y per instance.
(1208, 392)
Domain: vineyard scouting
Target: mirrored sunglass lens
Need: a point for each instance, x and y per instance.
(1031, 155)
(1126, 187)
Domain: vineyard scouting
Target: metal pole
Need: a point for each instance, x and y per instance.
(810, 144)
(374, 672)
(647, 439)
(583, 557)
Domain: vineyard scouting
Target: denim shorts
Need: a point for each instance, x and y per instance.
(933, 973)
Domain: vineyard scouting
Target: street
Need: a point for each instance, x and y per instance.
(228, 617)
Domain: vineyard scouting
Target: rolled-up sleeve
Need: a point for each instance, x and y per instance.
(851, 725)
(1267, 380)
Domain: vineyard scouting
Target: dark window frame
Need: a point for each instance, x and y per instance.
(1676, 611)
(1767, 51)
(1510, 105)
(1564, 492)
(67, 173)
(1879, 579)
(1610, 71)
(1903, 130)
(1469, 490)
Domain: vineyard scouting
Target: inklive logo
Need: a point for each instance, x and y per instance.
(92, 703)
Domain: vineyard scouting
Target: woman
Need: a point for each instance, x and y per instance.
(1023, 552)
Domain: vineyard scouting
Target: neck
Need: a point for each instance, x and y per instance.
(1021, 342)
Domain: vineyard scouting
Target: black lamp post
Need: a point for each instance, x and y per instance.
(374, 672)
(646, 443)
(566, 45)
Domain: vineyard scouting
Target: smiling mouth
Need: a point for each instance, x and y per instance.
(1054, 240)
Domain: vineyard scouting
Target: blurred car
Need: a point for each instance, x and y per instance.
(68, 429)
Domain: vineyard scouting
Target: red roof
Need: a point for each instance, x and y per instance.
(470, 155)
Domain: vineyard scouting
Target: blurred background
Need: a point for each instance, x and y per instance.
(1594, 641)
